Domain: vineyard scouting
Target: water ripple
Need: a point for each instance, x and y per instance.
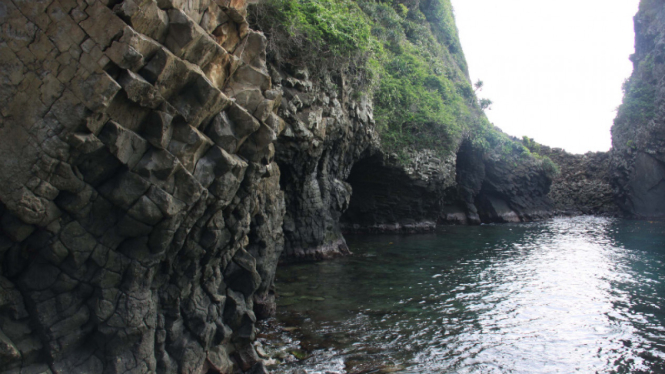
(568, 295)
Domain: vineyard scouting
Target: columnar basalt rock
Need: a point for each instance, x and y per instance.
(141, 212)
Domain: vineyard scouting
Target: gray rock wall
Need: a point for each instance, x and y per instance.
(390, 197)
(492, 187)
(584, 184)
(326, 132)
(141, 212)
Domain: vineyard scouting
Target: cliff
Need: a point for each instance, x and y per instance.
(160, 155)
(638, 134)
(141, 209)
(417, 149)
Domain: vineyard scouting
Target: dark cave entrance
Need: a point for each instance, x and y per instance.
(368, 183)
(385, 198)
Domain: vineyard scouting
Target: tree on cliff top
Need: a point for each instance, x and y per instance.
(478, 85)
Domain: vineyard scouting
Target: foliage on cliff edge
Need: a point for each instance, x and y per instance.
(639, 91)
(405, 54)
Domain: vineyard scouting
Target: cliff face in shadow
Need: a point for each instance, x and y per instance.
(638, 134)
(498, 187)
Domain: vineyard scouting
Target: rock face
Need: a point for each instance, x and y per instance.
(584, 185)
(496, 188)
(141, 211)
(156, 167)
(326, 132)
(470, 187)
(638, 134)
(389, 197)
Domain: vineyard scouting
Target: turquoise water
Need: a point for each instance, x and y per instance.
(568, 295)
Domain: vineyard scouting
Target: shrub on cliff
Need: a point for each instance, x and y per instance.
(639, 93)
(550, 168)
(407, 56)
(423, 98)
(531, 144)
(320, 33)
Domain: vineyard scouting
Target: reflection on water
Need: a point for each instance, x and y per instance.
(567, 295)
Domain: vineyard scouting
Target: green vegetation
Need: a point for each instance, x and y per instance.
(324, 33)
(531, 144)
(550, 168)
(411, 64)
(405, 55)
(639, 93)
(485, 104)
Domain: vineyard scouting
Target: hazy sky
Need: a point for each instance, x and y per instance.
(553, 69)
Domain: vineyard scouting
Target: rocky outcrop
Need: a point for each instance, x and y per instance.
(638, 134)
(584, 183)
(156, 167)
(326, 132)
(493, 187)
(391, 197)
(141, 211)
(337, 179)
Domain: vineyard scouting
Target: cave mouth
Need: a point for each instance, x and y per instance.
(385, 198)
(366, 180)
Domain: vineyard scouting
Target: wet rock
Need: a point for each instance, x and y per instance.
(248, 359)
(8, 351)
(259, 368)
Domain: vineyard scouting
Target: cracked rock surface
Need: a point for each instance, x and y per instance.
(141, 212)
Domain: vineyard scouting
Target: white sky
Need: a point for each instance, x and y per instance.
(553, 69)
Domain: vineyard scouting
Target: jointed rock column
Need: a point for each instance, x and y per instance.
(141, 213)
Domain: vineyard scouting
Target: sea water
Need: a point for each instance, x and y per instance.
(566, 295)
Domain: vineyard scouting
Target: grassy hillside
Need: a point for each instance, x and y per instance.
(405, 54)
